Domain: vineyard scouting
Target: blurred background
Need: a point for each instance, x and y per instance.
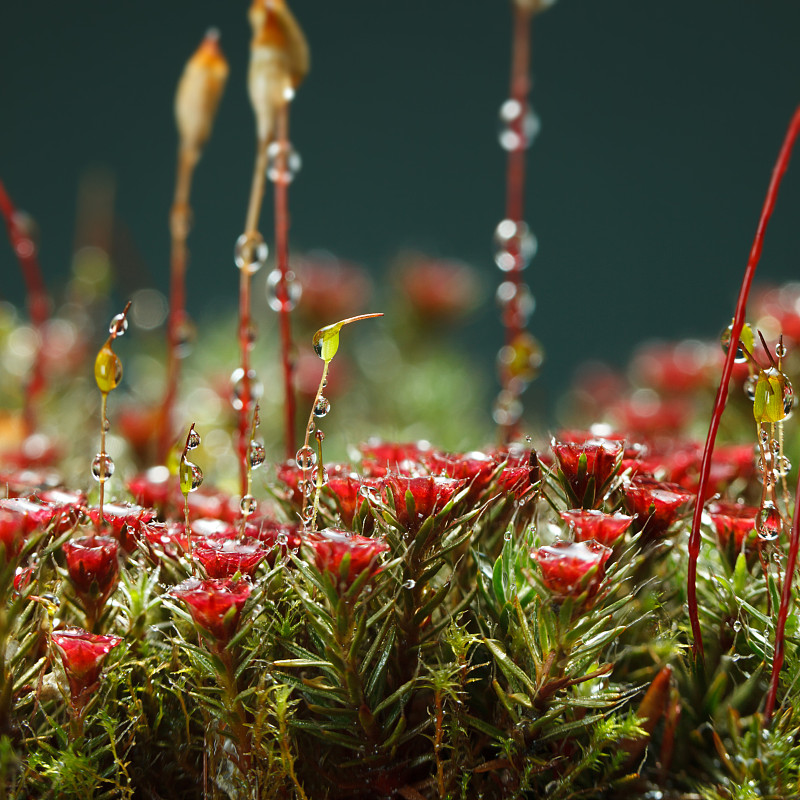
(660, 125)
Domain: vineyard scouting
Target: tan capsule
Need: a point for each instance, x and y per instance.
(534, 6)
(199, 92)
(279, 60)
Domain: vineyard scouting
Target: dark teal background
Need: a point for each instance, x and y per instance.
(661, 122)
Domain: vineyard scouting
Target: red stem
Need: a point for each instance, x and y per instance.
(783, 612)
(282, 289)
(243, 438)
(515, 171)
(722, 393)
(38, 301)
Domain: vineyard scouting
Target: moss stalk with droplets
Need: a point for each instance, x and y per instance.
(326, 343)
(190, 478)
(107, 375)
(722, 392)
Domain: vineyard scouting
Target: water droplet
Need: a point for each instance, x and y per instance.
(322, 406)
(311, 427)
(192, 440)
(514, 245)
(780, 350)
(521, 359)
(250, 252)
(283, 162)
(305, 457)
(248, 504)
(306, 487)
(307, 514)
(507, 409)
(725, 341)
(319, 435)
(190, 477)
(507, 536)
(282, 539)
(737, 626)
(102, 467)
(769, 478)
(516, 298)
(257, 454)
(324, 382)
(185, 335)
(409, 584)
(775, 445)
(788, 396)
(750, 387)
(518, 126)
(118, 326)
(769, 523)
(293, 288)
(785, 466)
(764, 437)
(106, 425)
(238, 385)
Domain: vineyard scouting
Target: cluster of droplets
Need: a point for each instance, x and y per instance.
(190, 478)
(520, 358)
(255, 456)
(283, 162)
(107, 375)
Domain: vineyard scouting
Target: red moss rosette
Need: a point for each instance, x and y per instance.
(571, 568)
(82, 654)
(607, 529)
(332, 546)
(215, 604)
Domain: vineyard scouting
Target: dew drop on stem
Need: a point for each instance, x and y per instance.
(102, 467)
(250, 252)
(257, 454)
(322, 406)
(305, 457)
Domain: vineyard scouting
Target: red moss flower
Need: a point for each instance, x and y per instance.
(408, 458)
(437, 290)
(223, 558)
(93, 568)
(657, 504)
(12, 529)
(475, 468)
(429, 494)
(735, 524)
(587, 465)
(571, 568)
(126, 520)
(34, 515)
(331, 288)
(346, 492)
(82, 654)
(215, 604)
(332, 545)
(676, 368)
(607, 529)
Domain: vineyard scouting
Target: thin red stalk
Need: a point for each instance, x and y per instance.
(38, 301)
(722, 393)
(515, 166)
(783, 612)
(282, 257)
(179, 227)
(243, 437)
(519, 89)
